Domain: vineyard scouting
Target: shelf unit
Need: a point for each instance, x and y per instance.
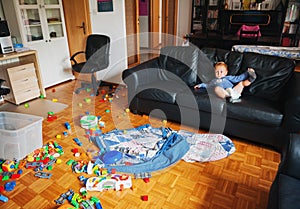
(39, 25)
(291, 29)
(206, 17)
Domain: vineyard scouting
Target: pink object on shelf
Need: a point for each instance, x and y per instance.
(249, 28)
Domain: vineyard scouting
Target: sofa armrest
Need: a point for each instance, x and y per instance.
(291, 121)
(290, 164)
(144, 73)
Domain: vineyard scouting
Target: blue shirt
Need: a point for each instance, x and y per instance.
(225, 82)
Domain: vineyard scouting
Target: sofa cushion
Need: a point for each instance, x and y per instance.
(181, 61)
(272, 74)
(199, 98)
(288, 192)
(256, 110)
(250, 109)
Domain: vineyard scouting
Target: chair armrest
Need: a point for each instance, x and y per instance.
(291, 121)
(72, 58)
(290, 164)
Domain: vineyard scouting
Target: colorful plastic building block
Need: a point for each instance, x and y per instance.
(97, 203)
(145, 197)
(3, 198)
(9, 186)
(67, 125)
(77, 141)
(43, 175)
(8, 166)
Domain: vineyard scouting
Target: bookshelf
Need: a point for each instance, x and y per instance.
(206, 16)
(291, 30)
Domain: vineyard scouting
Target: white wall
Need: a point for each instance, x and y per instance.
(144, 29)
(184, 17)
(113, 25)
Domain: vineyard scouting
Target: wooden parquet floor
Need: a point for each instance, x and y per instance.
(241, 181)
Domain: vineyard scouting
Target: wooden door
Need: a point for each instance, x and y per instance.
(154, 17)
(77, 18)
(132, 31)
(169, 21)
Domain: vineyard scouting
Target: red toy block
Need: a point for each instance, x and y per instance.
(145, 197)
(1, 188)
(146, 180)
(15, 176)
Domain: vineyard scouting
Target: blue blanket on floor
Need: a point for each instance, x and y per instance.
(144, 149)
(147, 149)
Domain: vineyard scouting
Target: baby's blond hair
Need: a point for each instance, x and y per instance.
(221, 64)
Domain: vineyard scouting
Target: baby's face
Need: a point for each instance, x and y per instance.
(220, 71)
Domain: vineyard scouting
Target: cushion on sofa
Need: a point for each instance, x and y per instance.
(201, 100)
(256, 110)
(272, 74)
(181, 61)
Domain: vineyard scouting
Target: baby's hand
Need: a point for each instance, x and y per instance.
(197, 86)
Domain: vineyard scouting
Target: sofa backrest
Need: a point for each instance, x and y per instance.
(231, 58)
(186, 62)
(272, 72)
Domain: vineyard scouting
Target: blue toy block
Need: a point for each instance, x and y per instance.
(3, 198)
(9, 186)
(67, 125)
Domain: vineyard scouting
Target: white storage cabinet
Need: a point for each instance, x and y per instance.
(39, 25)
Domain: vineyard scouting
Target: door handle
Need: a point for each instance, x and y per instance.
(83, 27)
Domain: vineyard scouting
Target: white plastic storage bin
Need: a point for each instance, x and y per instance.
(20, 134)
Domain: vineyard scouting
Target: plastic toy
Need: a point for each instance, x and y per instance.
(67, 125)
(8, 166)
(97, 202)
(43, 175)
(51, 116)
(114, 181)
(3, 198)
(142, 175)
(145, 197)
(9, 186)
(77, 141)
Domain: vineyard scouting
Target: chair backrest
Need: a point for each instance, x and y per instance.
(249, 35)
(97, 50)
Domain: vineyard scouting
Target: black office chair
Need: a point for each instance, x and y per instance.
(3, 90)
(97, 58)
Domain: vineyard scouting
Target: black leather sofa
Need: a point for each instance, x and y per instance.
(269, 109)
(285, 189)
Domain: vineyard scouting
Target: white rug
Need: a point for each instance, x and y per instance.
(39, 107)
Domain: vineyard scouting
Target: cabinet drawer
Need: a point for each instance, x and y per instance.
(25, 83)
(21, 72)
(26, 94)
